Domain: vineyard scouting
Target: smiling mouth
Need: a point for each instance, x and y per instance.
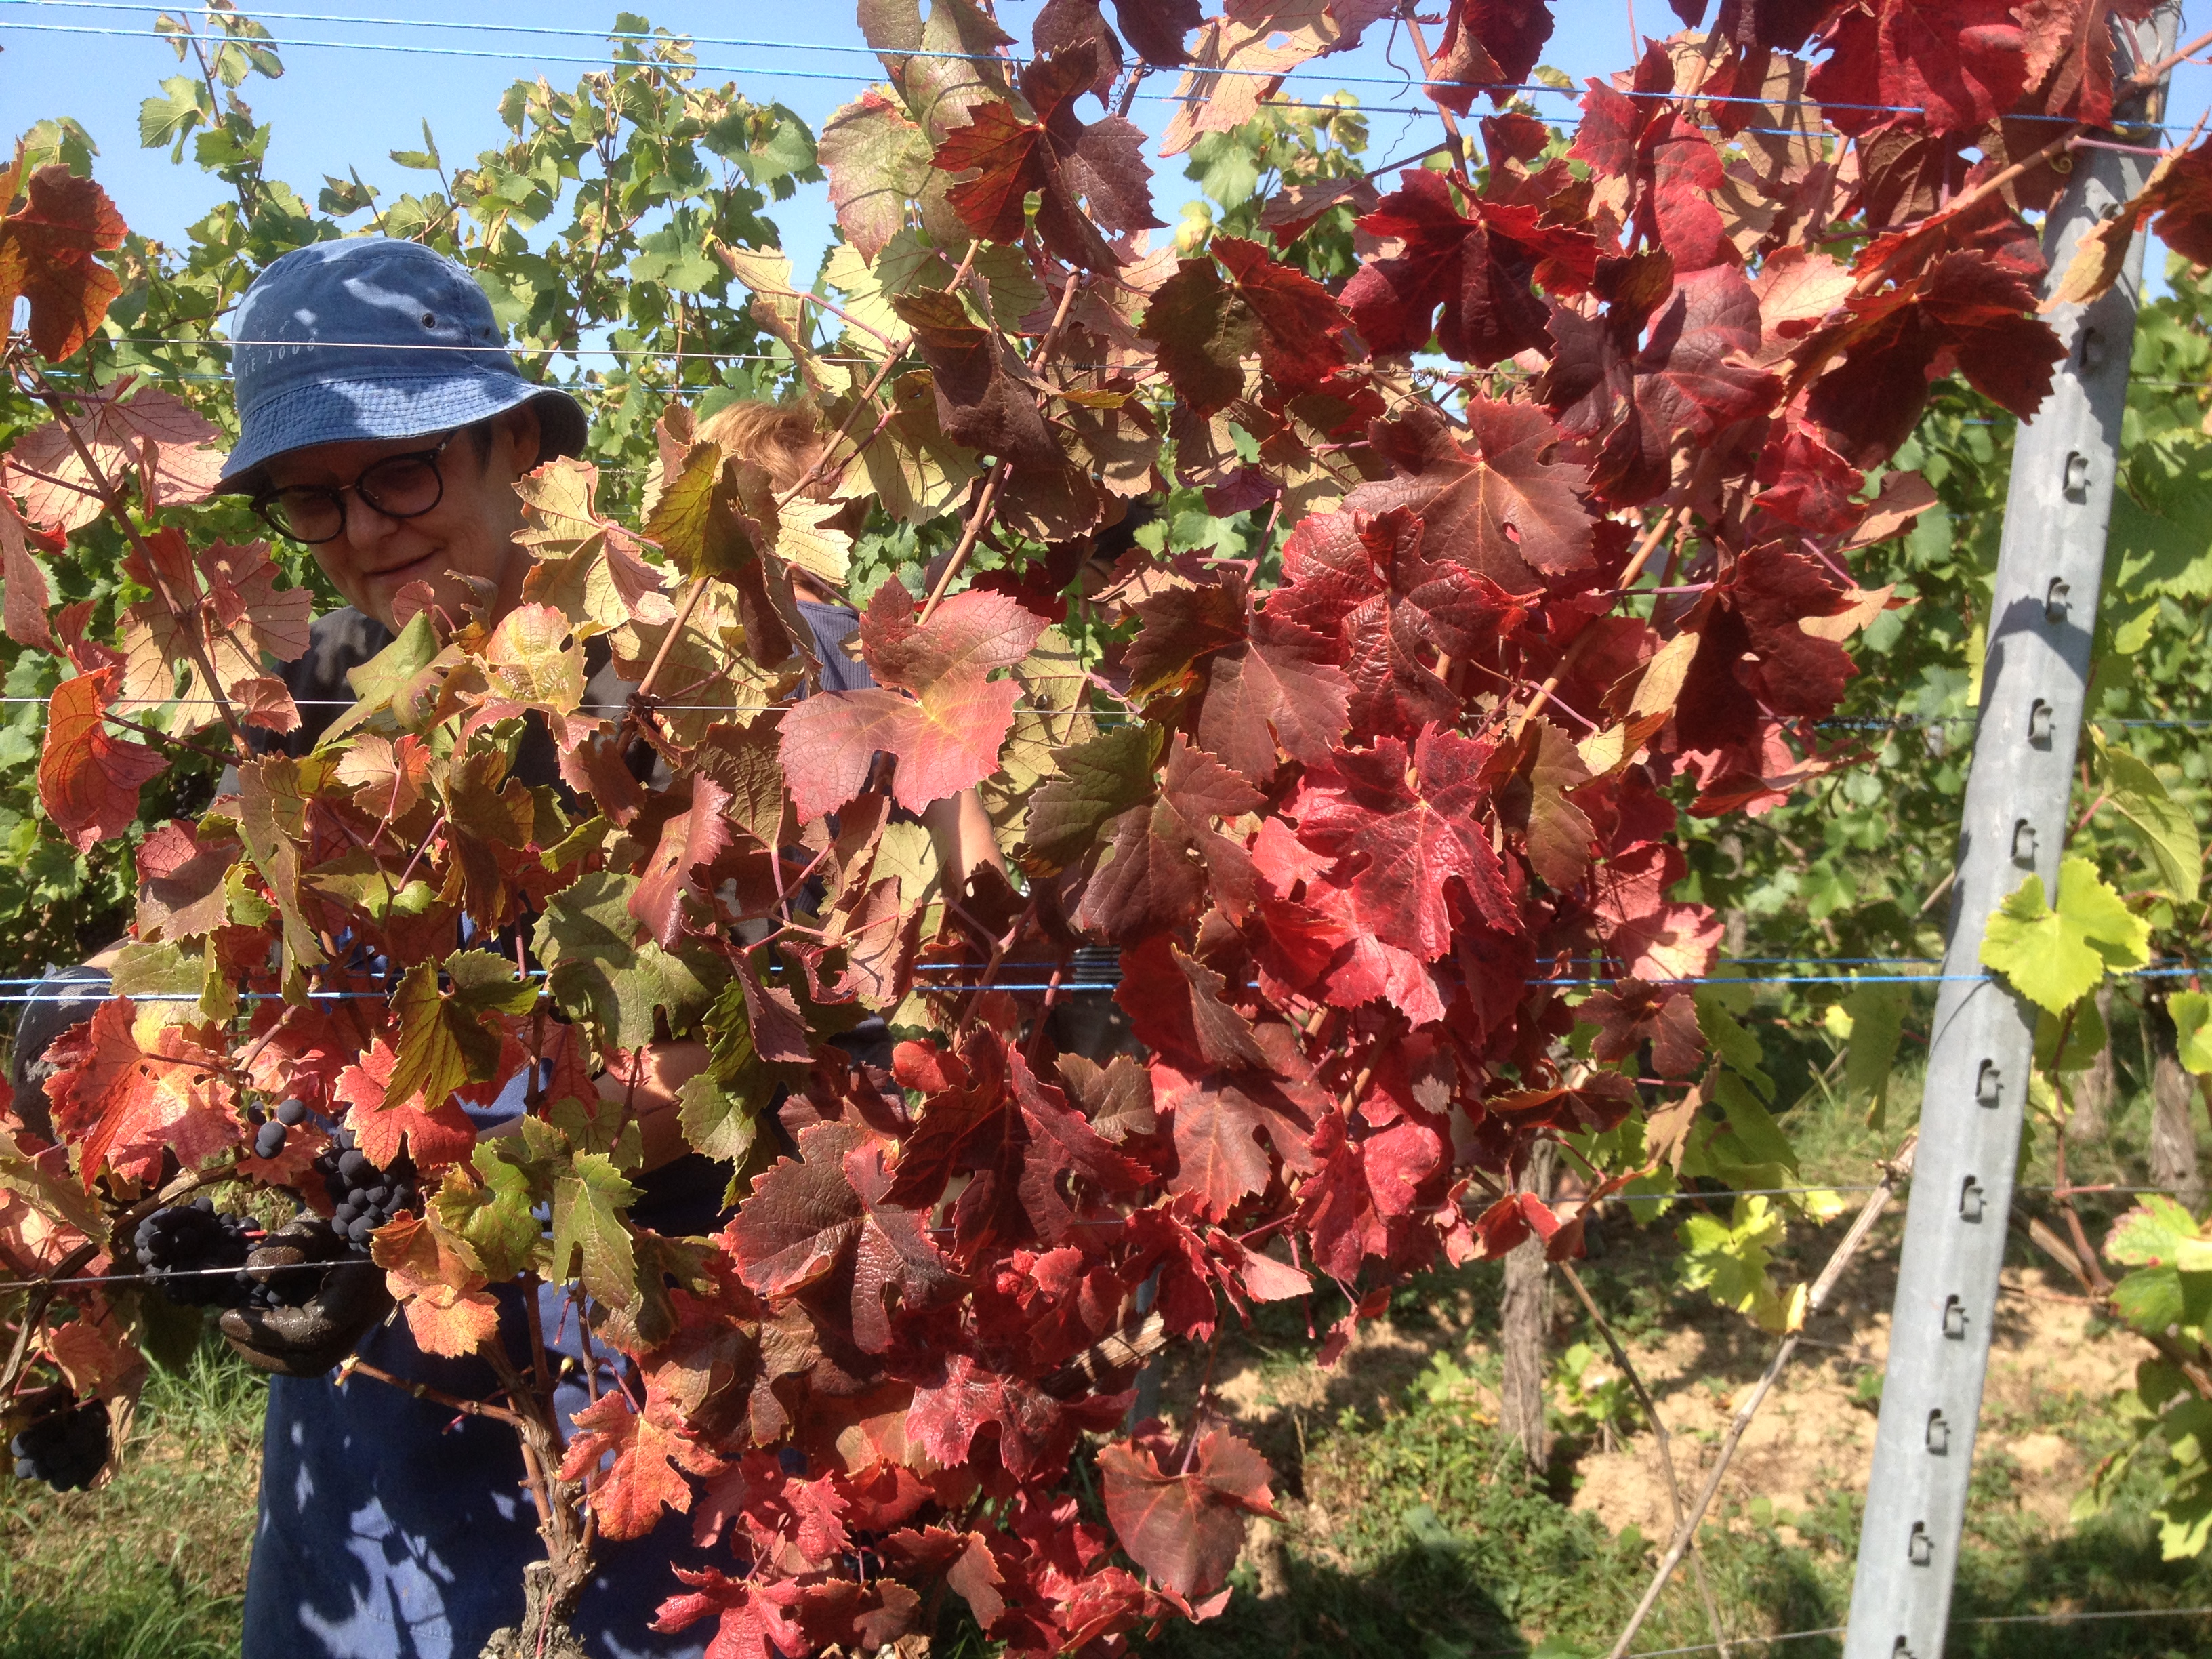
(414, 565)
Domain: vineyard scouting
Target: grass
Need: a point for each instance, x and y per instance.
(153, 1565)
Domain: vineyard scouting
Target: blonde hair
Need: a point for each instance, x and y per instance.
(785, 441)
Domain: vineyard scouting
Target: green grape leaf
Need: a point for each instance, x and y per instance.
(2152, 1234)
(591, 1241)
(2086, 1037)
(448, 1038)
(1738, 1048)
(1877, 1017)
(2164, 826)
(2160, 539)
(2055, 957)
(2192, 1025)
(600, 970)
(1097, 782)
(494, 1213)
(1752, 1125)
(1728, 1261)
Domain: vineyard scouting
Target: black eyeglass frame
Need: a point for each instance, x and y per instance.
(262, 503)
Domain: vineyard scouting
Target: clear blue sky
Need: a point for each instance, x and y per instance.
(335, 107)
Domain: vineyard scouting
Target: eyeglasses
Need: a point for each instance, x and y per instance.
(398, 486)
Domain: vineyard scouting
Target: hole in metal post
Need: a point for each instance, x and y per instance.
(2023, 843)
(1988, 1084)
(1903, 1647)
(1939, 1435)
(1970, 1201)
(2077, 477)
(1920, 1548)
(2040, 720)
(1954, 1319)
(2055, 599)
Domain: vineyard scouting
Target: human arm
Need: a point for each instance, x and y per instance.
(961, 830)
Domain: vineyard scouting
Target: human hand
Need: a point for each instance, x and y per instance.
(307, 1338)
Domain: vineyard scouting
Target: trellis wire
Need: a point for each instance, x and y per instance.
(1096, 978)
(1676, 1197)
(1408, 81)
(776, 72)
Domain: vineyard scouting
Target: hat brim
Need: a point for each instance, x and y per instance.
(351, 410)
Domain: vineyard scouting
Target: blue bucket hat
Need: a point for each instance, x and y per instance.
(373, 338)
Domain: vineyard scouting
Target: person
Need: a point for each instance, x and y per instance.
(383, 423)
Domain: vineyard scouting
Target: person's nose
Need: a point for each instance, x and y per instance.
(366, 526)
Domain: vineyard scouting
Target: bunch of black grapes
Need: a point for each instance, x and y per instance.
(181, 1247)
(66, 1450)
(364, 1196)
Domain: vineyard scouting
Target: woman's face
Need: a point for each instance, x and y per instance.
(466, 540)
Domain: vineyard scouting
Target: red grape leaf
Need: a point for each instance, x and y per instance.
(1300, 324)
(1496, 500)
(1155, 28)
(1035, 1431)
(947, 741)
(1164, 855)
(690, 840)
(1202, 332)
(1964, 311)
(651, 1450)
(1034, 1163)
(877, 160)
(157, 434)
(1056, 155)
(133, 1085)
(1962, 62)
(1630, 1013)
(820, 1228)
(1653, 939)
(1185, 1529)
(28, 598)
(1216, 1120)
(2069, 54)
(755, 1619)
(384, 1129)
(1556, 834)
(1403, 835)
(438, 1283)
(1479, 270)
(1182, 625)
(1492, 43)
(1278, 689)
(241, 615)
(88, 781)
(1346, 1205)
(1601, 1101)
(1174, 1004)
(1365, 582)
(966, 1561)
(46, 248)
(180, 881)
(986, 396)
(970, 633)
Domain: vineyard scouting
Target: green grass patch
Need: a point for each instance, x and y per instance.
(153, 1565)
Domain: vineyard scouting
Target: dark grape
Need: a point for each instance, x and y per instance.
(66, 1450)
(362, 1196)
(269, 1141)
(291, 1113)
(176, 1245)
